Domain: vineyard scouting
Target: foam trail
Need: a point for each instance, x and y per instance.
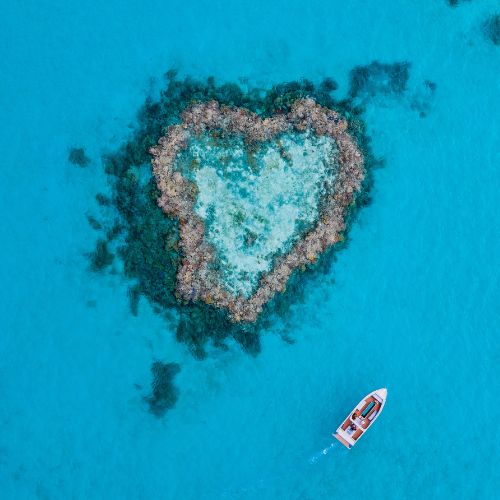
(324, 452)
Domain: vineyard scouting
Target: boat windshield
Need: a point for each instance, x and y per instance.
(368, 409)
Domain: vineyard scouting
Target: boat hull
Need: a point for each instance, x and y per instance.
(361, 418)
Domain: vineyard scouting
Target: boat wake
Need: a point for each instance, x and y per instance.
(266, 483)
(323, 453)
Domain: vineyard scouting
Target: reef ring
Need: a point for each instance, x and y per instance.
(196, 279)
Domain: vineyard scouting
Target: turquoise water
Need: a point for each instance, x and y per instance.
(411, 304)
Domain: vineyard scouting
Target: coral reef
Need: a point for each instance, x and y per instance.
(197, 279)
(164, 394)
(146, 242)
(78, 157)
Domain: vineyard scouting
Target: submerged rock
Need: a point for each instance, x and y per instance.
(255, 198)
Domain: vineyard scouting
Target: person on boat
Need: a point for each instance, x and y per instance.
(353, 427)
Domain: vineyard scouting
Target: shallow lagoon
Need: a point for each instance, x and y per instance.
(410, 304)
(258, 204)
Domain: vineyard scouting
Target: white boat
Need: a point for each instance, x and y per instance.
(361, 418)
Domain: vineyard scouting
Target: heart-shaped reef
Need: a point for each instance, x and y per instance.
(255, 198)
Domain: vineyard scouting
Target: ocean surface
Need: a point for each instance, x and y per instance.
(412, 303)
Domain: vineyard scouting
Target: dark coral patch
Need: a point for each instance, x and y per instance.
(491, 29)
(134, 294)
(101, 257)
(199, 323)
(379, 78)
(432, 86)
(103, 200)
(78, 157)
(423, 98)
(164, 393)
(390, 80)
(94, 223)
(328, 85)
(454, 3)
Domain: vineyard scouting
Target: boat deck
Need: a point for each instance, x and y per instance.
(359, 420)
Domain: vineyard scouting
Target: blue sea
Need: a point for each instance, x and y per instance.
(411, 304)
